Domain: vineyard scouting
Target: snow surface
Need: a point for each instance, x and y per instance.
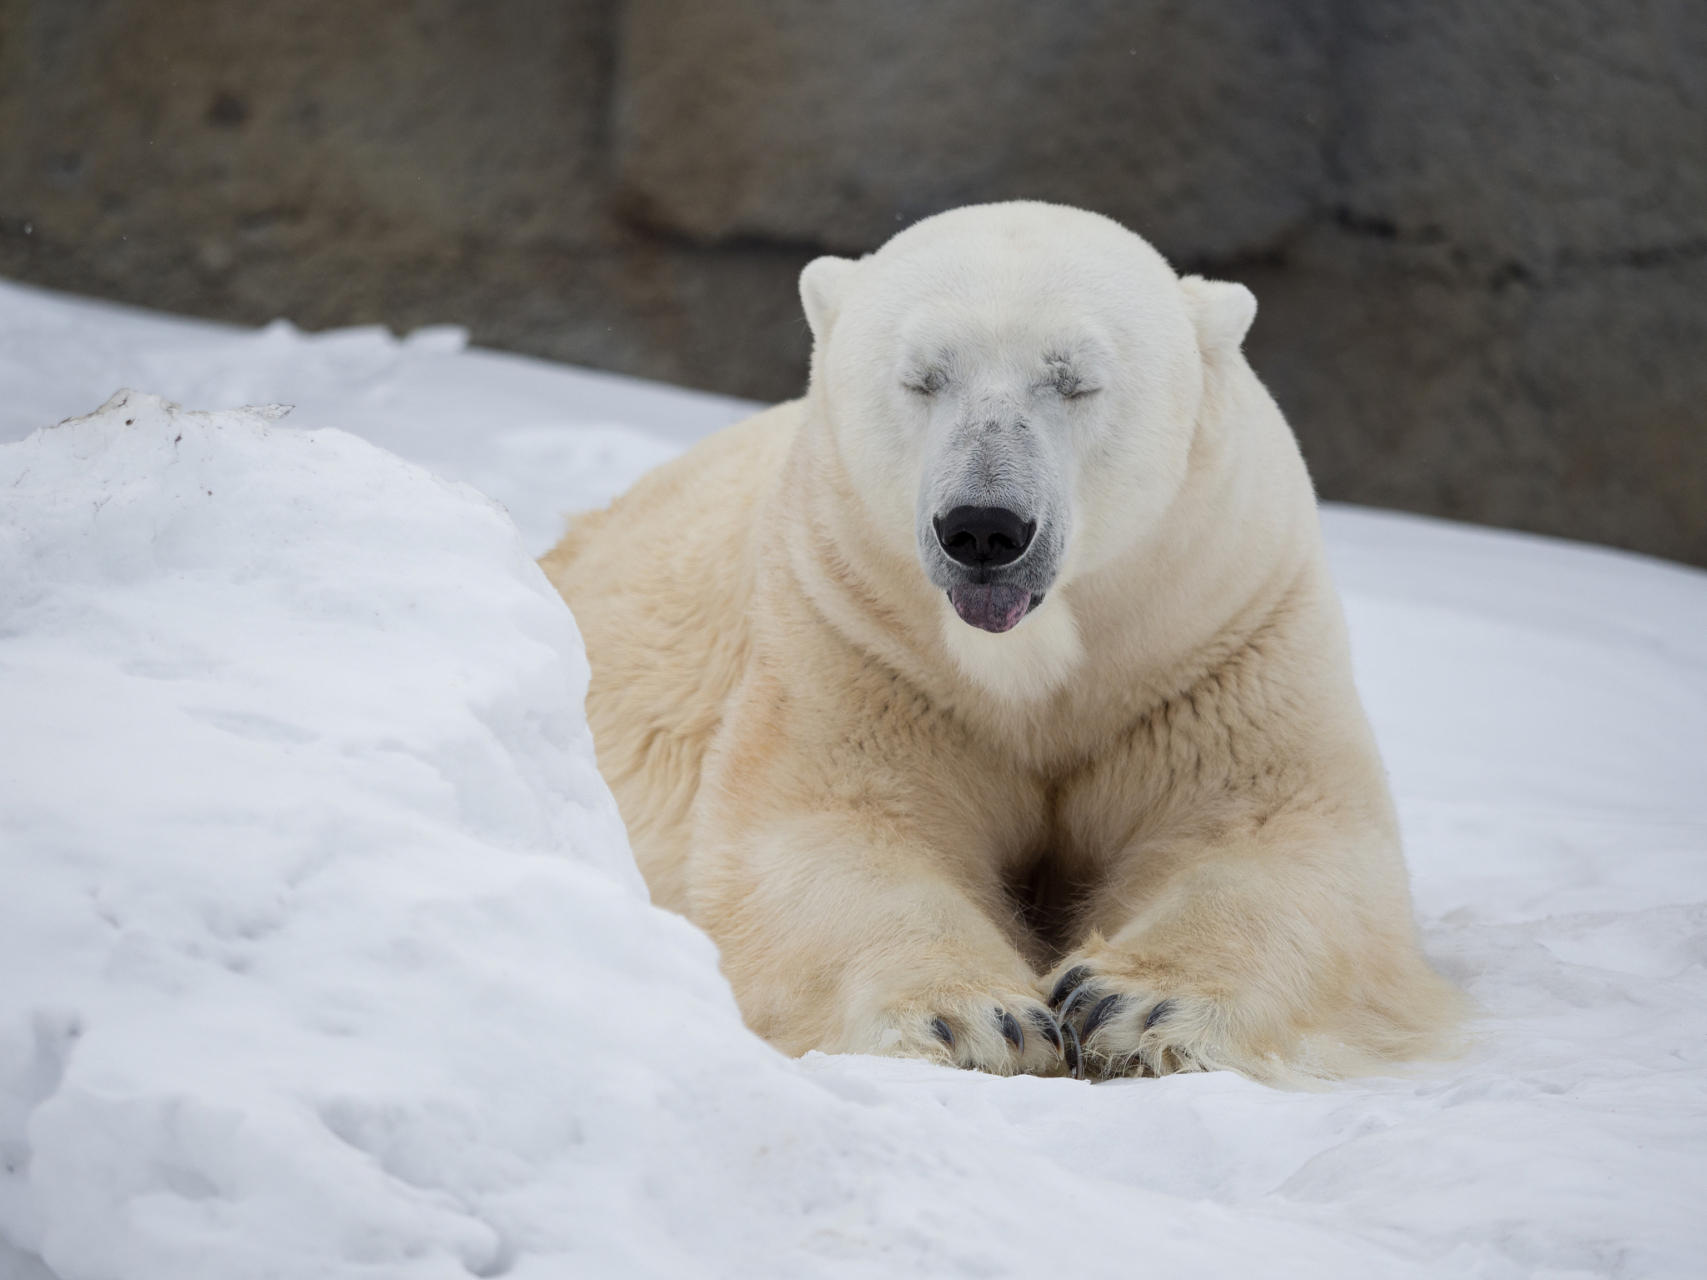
(322, 952)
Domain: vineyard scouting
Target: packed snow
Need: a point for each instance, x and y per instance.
(322, 952)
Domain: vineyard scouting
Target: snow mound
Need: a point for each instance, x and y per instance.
(325, 954)
(542, 438)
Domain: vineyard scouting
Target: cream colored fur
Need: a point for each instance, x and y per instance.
(893, 823)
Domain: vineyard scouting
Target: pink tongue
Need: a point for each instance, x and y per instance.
(992, 607)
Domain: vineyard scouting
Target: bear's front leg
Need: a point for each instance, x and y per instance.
(1284, 951)
(851, 876)
(848, 940)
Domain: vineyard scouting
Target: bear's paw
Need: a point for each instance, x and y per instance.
(1115, 1026)
(1002, 1032)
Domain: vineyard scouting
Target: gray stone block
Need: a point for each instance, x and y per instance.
(272, 127)
(1570, 407)
(1551, 133)
(836, 122)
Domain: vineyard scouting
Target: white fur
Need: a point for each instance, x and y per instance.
(846, 785)
(1023, 665)
(1222, 312)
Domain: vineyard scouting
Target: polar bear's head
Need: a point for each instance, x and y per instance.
(1013, 390)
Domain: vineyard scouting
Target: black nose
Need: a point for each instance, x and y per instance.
(984, 535)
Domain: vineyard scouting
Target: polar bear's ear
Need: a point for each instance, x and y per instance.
(1221, 310)
(821, 285)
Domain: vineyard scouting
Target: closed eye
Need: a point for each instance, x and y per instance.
(1068, 384)
(927, 383)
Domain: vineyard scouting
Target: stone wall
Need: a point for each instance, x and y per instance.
(1478, 232)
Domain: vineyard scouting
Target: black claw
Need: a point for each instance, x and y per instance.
(1011, 1030)
(944, 1032)
(1045, 1022)
(1098, 1016)
(1087, 989)
(1077, 976)
(1070, 1050)
(1162, 1009)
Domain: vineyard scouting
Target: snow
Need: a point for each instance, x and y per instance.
(322, 952)
(540, 438)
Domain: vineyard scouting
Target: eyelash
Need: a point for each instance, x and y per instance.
(1067, 385)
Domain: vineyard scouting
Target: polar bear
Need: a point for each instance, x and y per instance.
(992, 703)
